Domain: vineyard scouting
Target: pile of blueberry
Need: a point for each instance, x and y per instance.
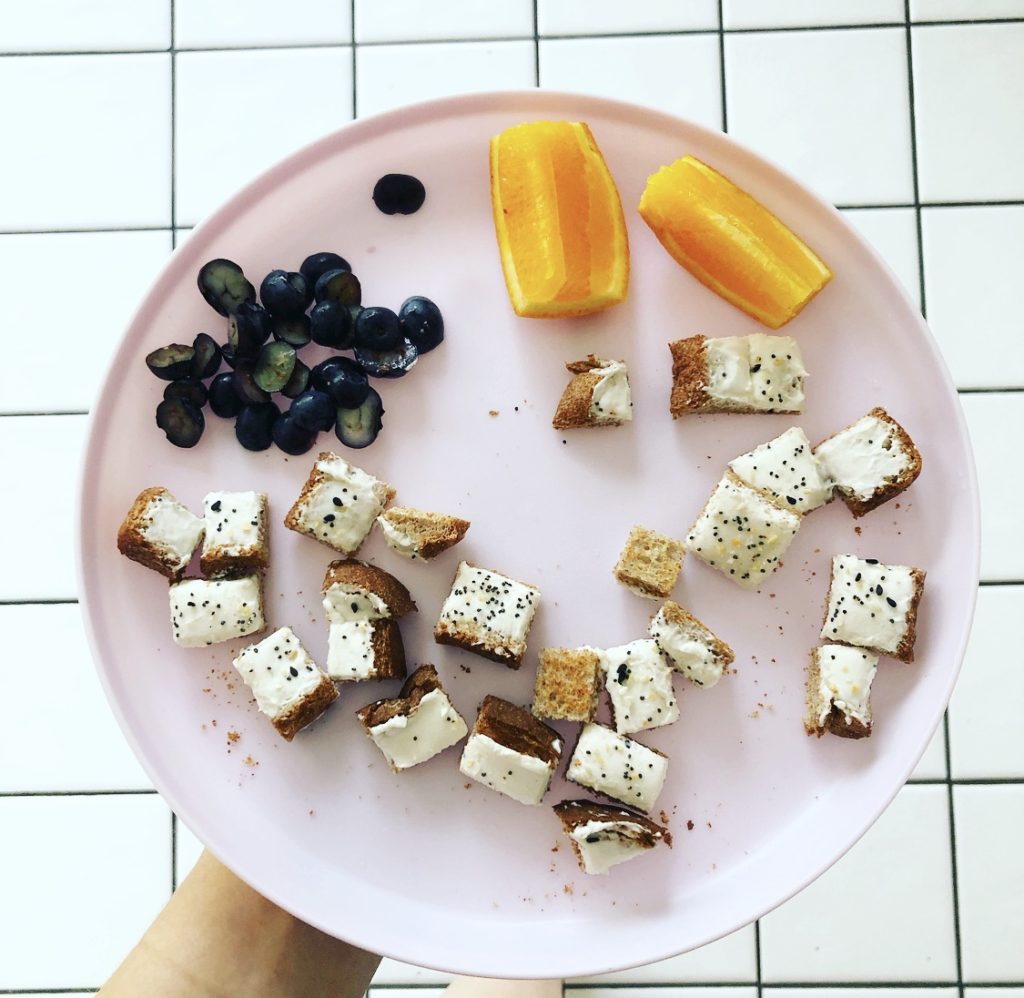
(264, 338)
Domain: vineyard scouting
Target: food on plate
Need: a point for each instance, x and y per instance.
(338, 504)
(558, 220)
(422, 323)
(224, 286)
(171, 362)
(689, 646)
(182, 422)
(365, 649)
(731, 242)
(160, 533)
(567, 684)
(287, 684)
(755, 373)
(356, 590)
(510, 751)
(741, 532)
(873, 606)
(317, 264)
(331, 325)
(870, 461)
(254, 427)
(650, 563)
(339, 285)
(415, 533)
(417, 724)
(602, 836)
(237, 538)
(393, 362)
(617, 767)
(838, 691)
(399, 194)
(189, 390)
(787, 469)
(286, 294)
(639, 686)
(206, 611)
(598, 395)
(357, 427)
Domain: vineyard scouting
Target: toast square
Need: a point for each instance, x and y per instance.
(357, 590)
(206, 611)
(776, 373)
(415, 533)
(617, 767)
(158, 532)
(237, 540)
(650, 563)
(838, 691)
(786, 469)
(689, 646)
(603, 836)
(597, 395)
(639, 686)
(567, 684)
(365, 649)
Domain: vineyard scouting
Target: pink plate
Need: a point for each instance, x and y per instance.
(422, 866)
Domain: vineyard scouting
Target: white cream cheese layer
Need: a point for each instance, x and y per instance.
(727, 359)
(639, 684)
(604, 844)
(279, 672)
(204, 611)
(341, 508)
(350, 653)
(409, 739)
(845, 681)
(687, 650)
(611, 401)
(868, 603)
(524, 778)
(344, 602)
(787, 468)
(397, 539)
(863, 458)
(776, 373)
(172, 530)
(233, 521)
(618, 767)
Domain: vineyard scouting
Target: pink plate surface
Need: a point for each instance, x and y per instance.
(422, 866)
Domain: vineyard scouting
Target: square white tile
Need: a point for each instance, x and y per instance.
(970, 132)
(973, 259)
(989, 418)
(74, 26)
(971, 10)
(78, 744)
(238, 23)
(187, 850)
(38, 564)
(893, 233)
(984, 716)
(675, 73)
(393, 972)
(403, 20)
(599, 17)
(93, 141)
(122, 264)
(298, 94)
(83, 877)
(933, 763)
(388, 76)
(803, 99)
(884, 912)
(801, 13)
(990, 869)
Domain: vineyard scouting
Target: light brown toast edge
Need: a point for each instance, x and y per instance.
(563, 665)
(306, 710)
(447, 530)
(517, 729)
(837, 723)
(215, 563)
(374, 580)
(134, 546)
(631, 579)
(675, 614)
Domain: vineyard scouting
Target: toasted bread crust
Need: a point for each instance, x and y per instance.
(568, 684)
(897, 485)
(448, 633)
(573, 410)
(383, 585)
(132, 543)
(689, 377)
(578, 812)
(677, 615)
(837, 723)
(388, 650)
(650, 563)
(216, 563)
(307, 710)
(434, 532)
(421, 682)
(517, 729)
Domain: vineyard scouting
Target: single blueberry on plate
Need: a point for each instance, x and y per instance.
(275, 365)
(181, 421)
(285, 293)
(207, 360)
(317, 264)
(313, 410)
(330, 324)
(339, 285)
(298, 382)
(358, 427)
(248, 329)
(399, 194)
(421, 322)
(388, 363)
(188, 389)
(224, 286)
(292, 438)
(346, 383)
(171, 362)
(254, 427)
(378, 328)
(293, 330)
(224, 400)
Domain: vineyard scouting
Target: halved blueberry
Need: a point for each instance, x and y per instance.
(313, 410)
(224, 400)
(317, 264)
(346, 383)
(245, 383)
(181, 421)
(207, 360)
(188, 389)
(228, 355)
(292, 438)
(399, 194)
(378, 328)
(224, 286)
(359, 427)
(293, 330)
(388, 363)
(421, 322)
(248, 329)
(254, 427)
(339, 285)
(285, 293)
(171, 362)
(274, 368)
(298, 382)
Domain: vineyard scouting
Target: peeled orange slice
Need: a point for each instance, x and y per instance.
(559, 222)
(730, 242)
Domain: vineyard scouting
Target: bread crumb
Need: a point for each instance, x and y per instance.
(664, 817)
(689, 826)
(856, 530)
(465, 668)
(493, 412)
(233, 736)
(312, 813)
(214, 723)
(250, 761)
(709, 824)
(555, 847)
(567, 888)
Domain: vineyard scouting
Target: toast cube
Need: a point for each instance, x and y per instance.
(870, 462)
(777, 373)
(415, 533)
(639, 685)
(689, 646)
(287, 684)
(357, 590)
(567, 684)
(207, 611)
(617, 767)
(417, 724)
(488, 614)
(602, 836)
(873, 606)
(512, 752)
(838, 691)
(742, 533)
(650, 563)
(237, 540)
(597, 395)
(338, 504)
(159, 533)
(365, 649)
(786, 469)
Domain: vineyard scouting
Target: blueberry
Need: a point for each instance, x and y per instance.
(298, 382)
(188, 389)
(358, 427)
(292, 438)
(331, 324)
(181, 421)
(378, 328)
(171, 362)
(421, 322)
(313, 410)
(224, 400)
(285, 294)
(293, 330)
(254, 427)
(346, 383)
(248, 329)
(228, 355)
(245, 383)
(207, 359)
(317, 264)
(398, 193)
(388, 363)
(224, 286)
(274, 368)
(321, 374)
(339, 285)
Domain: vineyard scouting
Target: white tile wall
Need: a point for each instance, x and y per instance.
(86, 145)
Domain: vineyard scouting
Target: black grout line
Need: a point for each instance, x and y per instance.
(990, 391)
(47, 991)
(174, 128)
(41, 412)
(82, 231)
(986, 583)
(721, 67)
(536, 45)
(355, 97)
(757, 947)
(954, 883)
(41, 601)
(913, 159)
(174, 852)
(76, 793)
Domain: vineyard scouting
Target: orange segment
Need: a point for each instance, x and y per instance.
(730, 242)
(558, 219)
